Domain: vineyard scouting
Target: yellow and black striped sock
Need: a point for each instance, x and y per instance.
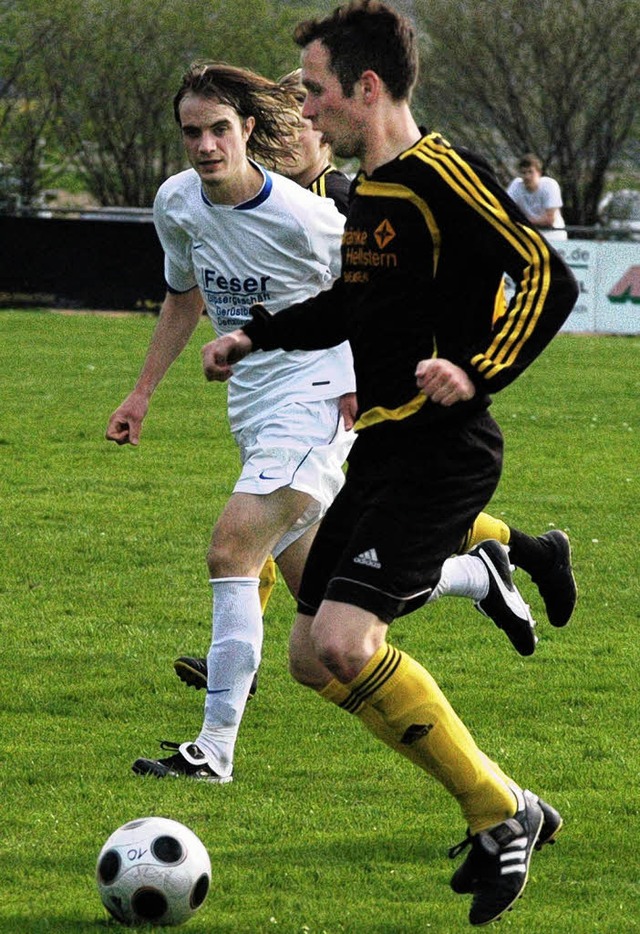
(268, 577)
(401, 704)
(484, 527)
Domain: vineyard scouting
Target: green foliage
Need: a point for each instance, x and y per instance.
(90, 83)
(104, 581)
(94, 82)
(536, 77)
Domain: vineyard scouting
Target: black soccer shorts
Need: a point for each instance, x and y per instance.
(408, 501)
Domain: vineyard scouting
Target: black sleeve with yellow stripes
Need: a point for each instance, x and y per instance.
(496, 231)
(546, 291)
(316, 324)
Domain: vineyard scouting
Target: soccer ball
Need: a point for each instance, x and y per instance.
(153, 871)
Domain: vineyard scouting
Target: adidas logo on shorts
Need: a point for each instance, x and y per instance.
(369, 558)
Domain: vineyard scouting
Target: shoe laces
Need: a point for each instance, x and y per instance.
(459, 848)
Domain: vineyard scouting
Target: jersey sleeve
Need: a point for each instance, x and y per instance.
(324, 235)
(497, 241)
(338, 187)
(546, 291)
(316, 324)
(176, 243)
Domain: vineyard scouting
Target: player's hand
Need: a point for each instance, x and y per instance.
(348, 409)
(218, 356)
(443, 382)
(125, 424)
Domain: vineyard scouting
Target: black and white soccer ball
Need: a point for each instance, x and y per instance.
(153, 871)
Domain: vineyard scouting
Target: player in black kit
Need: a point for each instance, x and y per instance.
(429, 237)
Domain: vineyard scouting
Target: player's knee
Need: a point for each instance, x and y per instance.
(304, 667)
(343, 661)
(299, 672)
(222, 558)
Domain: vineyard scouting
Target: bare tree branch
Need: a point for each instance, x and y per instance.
(559, 79)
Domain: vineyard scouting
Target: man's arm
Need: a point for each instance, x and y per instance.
(546, 291)
(179, 316)
(545, 219)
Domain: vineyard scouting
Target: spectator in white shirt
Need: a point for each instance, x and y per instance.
(539, 197)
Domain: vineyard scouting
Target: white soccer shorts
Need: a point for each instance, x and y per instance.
(302, 445)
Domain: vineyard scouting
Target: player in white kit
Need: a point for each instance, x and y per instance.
(235, 234)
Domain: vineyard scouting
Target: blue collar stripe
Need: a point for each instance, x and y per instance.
(262, 195)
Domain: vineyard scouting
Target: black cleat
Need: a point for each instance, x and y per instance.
(498, 865)
(179, 766)
(551, 824)
(556, 583)
(503, 603)
(463, 881)
(193, 671)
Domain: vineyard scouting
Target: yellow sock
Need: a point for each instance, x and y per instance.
(484, 527)
(268, 577)
(399, 701)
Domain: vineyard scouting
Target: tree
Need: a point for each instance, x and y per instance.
(561, 79)
(28, 103)
(97, 81)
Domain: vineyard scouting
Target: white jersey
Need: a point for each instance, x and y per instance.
(279, 248)
(547, 196)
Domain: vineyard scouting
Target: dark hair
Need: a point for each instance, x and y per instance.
(273, 106)
(292, 82)
(366, 35)
(530, 161)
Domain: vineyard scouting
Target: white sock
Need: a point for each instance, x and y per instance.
(462, 576)
(233, 659)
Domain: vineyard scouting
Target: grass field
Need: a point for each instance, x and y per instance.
(103, 582)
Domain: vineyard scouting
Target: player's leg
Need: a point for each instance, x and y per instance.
(234, 655)
(393, 539)
(292, 470)
(268, 578)
(401, 704)
(484, 576)
(305, 445)
(247, 531)
(545, 558)
(192, 670)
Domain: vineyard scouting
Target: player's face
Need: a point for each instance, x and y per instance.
(337, 117)
(215, 139)
(309, 151)
(530, 177)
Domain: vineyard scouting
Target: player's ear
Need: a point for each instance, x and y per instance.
(370, 85)
(249, 124)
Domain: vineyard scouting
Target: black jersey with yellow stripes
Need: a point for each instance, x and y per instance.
(334, 184)
(428, 239)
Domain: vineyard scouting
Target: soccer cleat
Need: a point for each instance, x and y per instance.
(503, 603)
(551, 824)
(463, 881)
(497, 868)
(556, 583)
(179, 766)
(193, 671)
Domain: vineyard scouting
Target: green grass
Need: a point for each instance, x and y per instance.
(103, 582)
